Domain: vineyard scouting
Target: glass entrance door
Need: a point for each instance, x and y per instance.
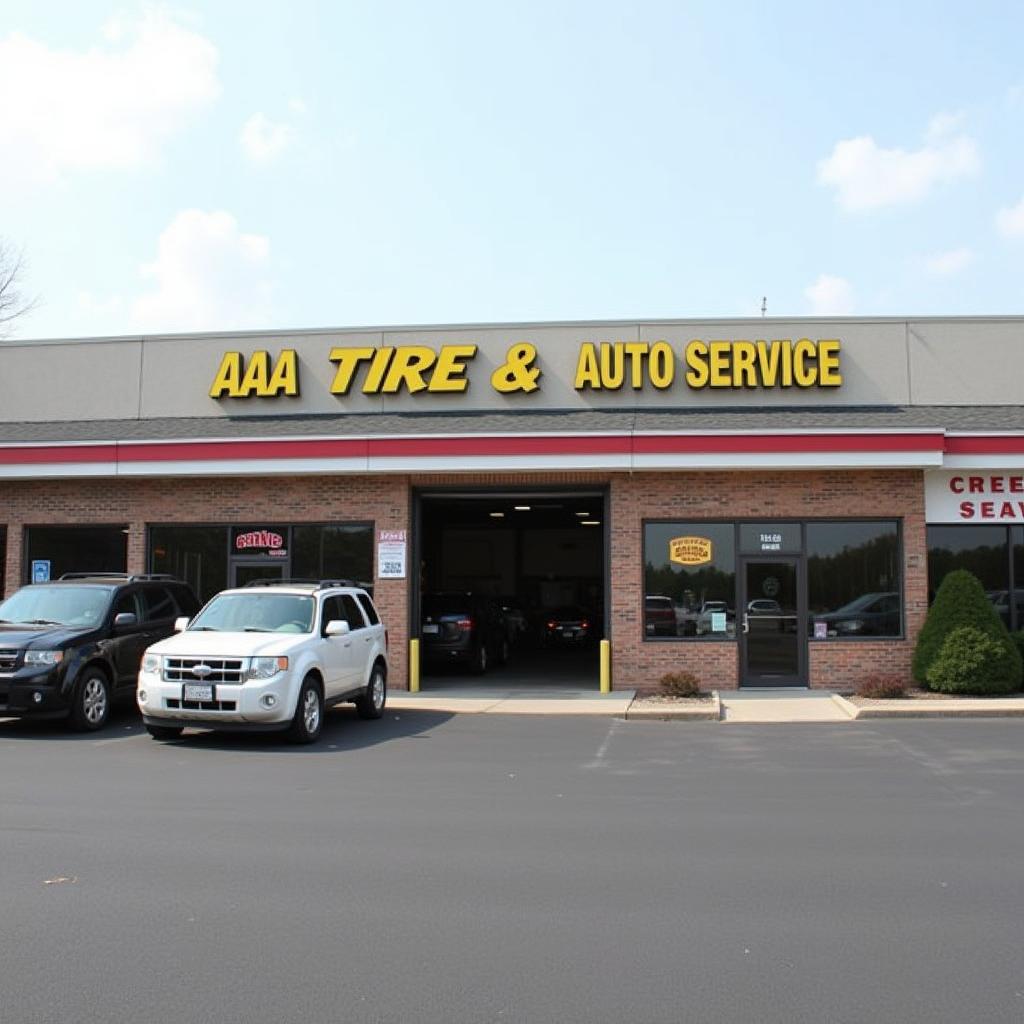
(773, 640)
(243, 572)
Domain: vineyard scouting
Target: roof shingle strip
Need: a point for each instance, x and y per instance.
(982, 419)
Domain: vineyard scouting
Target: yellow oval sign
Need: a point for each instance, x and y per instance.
(689, 550)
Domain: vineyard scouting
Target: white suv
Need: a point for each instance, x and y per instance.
(268, 656)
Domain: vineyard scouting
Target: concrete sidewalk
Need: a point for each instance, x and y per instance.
(501, 701)
(728, 706)
(781, 705)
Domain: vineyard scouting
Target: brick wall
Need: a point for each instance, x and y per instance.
(381, 499)
(769, 495)
(385, 500)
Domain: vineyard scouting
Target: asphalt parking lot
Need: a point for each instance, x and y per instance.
(437, 868)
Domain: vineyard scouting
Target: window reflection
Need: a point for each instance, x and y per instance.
(689, 580)
(853, 579)
(983, 551)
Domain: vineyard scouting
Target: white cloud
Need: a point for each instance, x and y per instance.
(207, 276)
(830, 296)
(1010, 221)
(867, 176)
(111, 105)
(945, 264)
(263, 140)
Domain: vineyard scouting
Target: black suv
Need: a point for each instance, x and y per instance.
(465, 629)
(70, 647)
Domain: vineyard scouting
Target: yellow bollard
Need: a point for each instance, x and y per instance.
(414, 666)
(606, 666)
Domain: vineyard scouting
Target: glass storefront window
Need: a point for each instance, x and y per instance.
(196, 554)
(76, 549)
(333, 552)
(689, 580)
(853, 579)
(1017, 604)
(982, 550)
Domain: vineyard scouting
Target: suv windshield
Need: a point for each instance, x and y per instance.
(257, 612)
(62, 605)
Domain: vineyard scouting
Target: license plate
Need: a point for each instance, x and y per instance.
(197, 691)
(431, 628)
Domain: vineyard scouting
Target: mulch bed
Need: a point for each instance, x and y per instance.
(655, 700)
(918, 694)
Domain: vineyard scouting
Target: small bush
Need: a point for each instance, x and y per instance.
(882, 687)
(973, 661)
(678, 684)
(960, 601)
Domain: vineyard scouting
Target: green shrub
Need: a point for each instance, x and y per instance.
(973, 661)
(882, 687)
(678, 684)
(961, 601)
(1018, 639)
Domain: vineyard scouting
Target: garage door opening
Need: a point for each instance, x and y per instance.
(511, 589)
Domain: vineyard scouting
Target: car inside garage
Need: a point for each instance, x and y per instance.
(511, 587)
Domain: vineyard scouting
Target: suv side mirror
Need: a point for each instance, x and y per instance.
(337, 627)
(181, 624)
(125, 619)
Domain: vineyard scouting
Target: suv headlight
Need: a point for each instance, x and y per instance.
(151, 664)
(44, 657)
(266, 668)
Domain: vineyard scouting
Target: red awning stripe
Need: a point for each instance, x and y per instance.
(482, 446)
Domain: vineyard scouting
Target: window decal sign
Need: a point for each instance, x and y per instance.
(690, 550)
(259, 542)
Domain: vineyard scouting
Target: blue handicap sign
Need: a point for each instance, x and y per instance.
(41, 570)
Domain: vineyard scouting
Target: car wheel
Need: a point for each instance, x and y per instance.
(309, 713)
(371, 703)
(480, 660)
(165, 732)
(91, 707)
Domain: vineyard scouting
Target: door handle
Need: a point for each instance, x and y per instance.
(746, 623)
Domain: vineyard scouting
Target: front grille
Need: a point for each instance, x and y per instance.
(7, 660)
(201, 705)
(222, 670)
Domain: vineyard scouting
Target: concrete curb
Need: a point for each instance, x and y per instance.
(945, 709)
(846, 706)
(711, 712)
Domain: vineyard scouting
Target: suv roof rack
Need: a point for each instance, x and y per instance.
(270, 581)
(275, 581)
(93, 576)
(128, 577)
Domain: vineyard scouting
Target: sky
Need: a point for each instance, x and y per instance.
(239, 165)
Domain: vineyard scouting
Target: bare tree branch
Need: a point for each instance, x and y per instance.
(13, 301)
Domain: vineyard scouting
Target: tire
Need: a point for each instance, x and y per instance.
(90, 707)
(165, 732)
(309, 713)
(479, 665)
(371, 704)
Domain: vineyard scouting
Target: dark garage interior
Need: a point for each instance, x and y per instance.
(539, 557)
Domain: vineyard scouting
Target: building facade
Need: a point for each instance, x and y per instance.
(760, 502)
